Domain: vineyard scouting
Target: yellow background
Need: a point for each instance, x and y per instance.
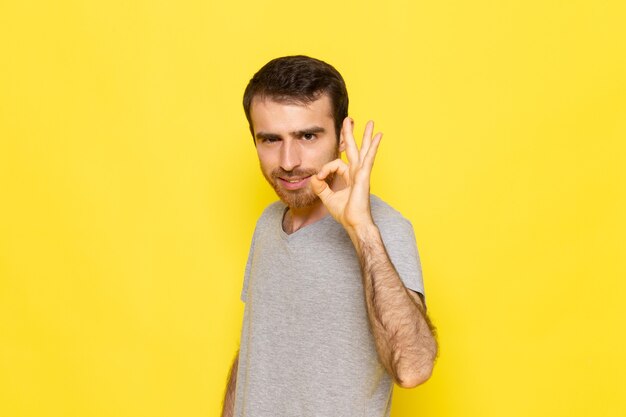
(129, 189)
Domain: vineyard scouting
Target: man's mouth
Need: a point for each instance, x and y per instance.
(294, 183)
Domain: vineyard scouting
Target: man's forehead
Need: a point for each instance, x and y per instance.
(323, 100)
(269, 110)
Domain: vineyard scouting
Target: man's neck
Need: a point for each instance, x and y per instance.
(296, 218)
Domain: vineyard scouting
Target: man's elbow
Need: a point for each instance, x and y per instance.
(415, 377)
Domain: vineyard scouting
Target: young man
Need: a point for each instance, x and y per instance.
(333, 287)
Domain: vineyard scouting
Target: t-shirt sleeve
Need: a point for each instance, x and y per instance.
(399, 239)
(246, 275)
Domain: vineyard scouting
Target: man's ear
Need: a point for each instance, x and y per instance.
(342, 143)
(342, 140)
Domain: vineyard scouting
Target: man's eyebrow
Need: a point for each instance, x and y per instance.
(266, 136)
(310, 131)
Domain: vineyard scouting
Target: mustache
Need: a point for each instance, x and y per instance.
(295, 173)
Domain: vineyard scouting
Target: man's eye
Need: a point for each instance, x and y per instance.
(308, 136)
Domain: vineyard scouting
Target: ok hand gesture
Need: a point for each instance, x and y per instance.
(350, 205)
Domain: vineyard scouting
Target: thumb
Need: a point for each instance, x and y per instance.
(320, 188)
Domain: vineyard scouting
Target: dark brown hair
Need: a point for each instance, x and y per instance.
(298, 79)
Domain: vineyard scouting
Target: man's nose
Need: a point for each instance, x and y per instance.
(289, 156)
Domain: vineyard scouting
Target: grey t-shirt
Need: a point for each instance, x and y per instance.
(306, 346)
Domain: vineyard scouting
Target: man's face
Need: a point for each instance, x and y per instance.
(293, 142)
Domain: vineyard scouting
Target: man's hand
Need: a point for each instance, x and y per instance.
(350, 205)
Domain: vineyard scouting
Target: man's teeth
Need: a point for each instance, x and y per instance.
(293, 181)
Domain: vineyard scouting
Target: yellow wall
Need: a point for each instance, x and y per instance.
(129, 188)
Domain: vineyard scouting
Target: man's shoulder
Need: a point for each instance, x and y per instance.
(384, 212)
(272, 211)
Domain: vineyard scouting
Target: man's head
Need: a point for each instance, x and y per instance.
(298, 79)
(296, 107)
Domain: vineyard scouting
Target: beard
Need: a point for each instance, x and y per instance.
(301, 198)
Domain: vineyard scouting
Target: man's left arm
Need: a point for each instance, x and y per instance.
(404, 336)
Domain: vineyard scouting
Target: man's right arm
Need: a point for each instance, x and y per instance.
(229, 397)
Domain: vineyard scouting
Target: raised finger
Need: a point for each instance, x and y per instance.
(368, 161)
(367, 139)
(351, 150)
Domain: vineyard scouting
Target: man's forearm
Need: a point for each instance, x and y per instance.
(229, 396)
(403, 334)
